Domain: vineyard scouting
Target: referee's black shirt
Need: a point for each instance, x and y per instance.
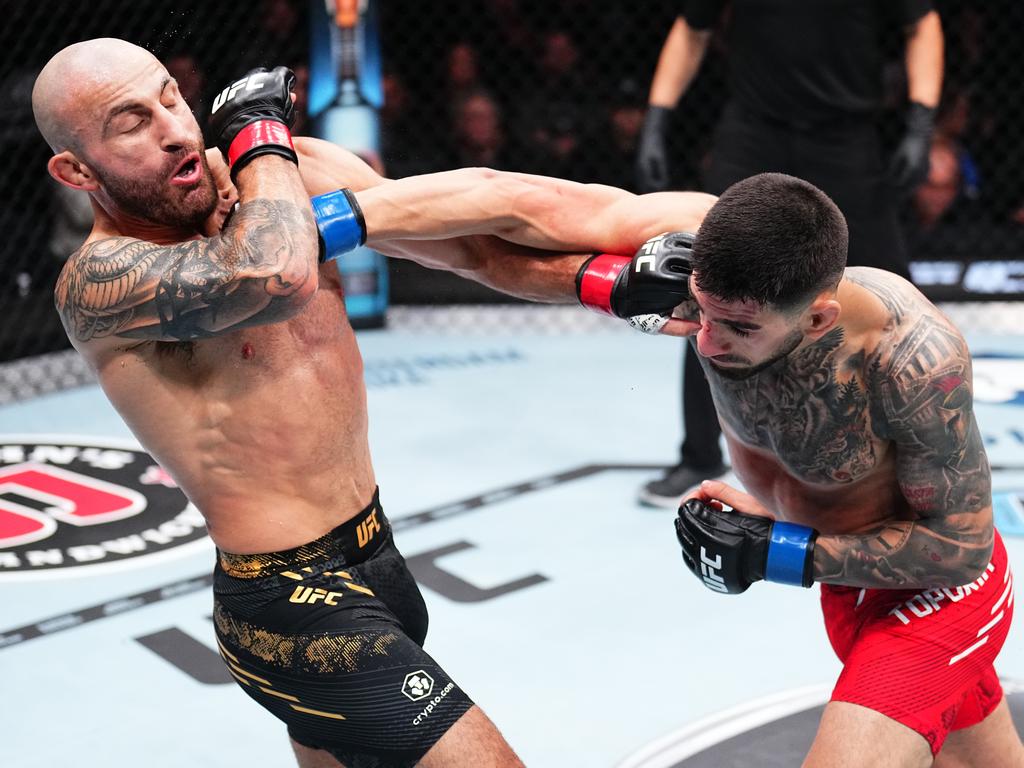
(806, 61)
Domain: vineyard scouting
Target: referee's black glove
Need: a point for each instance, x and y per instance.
(909, 164)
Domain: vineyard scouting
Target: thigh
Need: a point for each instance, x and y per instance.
(993, 741)
(319, 649)
(473, 742)
(851, 736)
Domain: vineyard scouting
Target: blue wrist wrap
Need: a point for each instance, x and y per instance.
(787, 554)
(340, 221)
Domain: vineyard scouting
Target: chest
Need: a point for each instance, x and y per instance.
(314, 336)
(816, 423)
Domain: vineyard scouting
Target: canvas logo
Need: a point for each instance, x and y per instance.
(998, 379)
(417, 685)
(66, 504)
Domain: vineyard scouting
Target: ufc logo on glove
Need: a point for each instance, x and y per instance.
(709, 572)
(249, 83)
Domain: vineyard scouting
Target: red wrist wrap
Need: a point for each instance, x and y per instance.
(598, 280)
(257, 134)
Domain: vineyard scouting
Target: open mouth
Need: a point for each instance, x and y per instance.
(189, 172)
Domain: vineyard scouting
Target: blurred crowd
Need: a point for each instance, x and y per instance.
(556, 87)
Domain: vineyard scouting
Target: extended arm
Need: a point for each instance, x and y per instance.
(534, 211)
(517, 233)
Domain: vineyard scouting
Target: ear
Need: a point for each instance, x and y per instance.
(821, 316)
(72, 172)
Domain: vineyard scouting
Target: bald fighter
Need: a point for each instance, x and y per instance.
(224, 345)
(846, 401)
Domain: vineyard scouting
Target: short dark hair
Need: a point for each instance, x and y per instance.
(773, 239)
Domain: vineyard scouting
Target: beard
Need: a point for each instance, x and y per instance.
(739, 373)
(158, 202)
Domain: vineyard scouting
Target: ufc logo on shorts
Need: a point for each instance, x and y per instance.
(649, 249)
(250, 83)
(311, 595)
(366, 529)
(709, 571)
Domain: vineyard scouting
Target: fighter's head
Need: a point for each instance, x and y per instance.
(121, 131)
(767, 261)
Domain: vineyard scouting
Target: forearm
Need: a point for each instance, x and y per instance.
(902, 555)
(520, 271)
(534, 211)
(680, 58)
(924, 62)
(272, 234)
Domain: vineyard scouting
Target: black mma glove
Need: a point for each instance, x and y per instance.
(909, 164)
(655, 281)
(652, 156)
(251, 117)
(729, 551)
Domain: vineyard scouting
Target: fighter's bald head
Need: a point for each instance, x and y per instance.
(73, 79)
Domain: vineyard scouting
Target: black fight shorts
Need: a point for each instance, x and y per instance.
(328, 637)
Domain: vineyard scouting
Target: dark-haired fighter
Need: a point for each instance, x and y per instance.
(231, 359)
(845, 398)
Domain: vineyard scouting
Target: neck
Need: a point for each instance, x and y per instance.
(110, 221)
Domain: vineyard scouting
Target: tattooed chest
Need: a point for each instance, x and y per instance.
(815, 422)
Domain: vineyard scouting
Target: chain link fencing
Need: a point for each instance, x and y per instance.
(557, 87)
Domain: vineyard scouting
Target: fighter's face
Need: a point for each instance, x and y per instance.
(147, 151)
(741, 338)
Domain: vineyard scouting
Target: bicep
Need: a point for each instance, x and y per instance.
(942, 468)
(643, 216)
(567, 216)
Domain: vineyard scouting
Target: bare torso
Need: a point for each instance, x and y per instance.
(264, 428)
(810, 436)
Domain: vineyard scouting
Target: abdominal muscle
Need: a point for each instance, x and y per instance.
(264, 429)
(847, 508)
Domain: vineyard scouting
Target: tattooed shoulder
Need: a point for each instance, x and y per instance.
(900, 299)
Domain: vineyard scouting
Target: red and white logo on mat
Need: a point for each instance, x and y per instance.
(66, 503)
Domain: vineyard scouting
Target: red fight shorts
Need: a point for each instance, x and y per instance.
(923, 658)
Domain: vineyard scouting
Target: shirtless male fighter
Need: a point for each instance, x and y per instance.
(230, 357)
(846, 401)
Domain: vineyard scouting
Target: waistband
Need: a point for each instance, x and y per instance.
(354, 541)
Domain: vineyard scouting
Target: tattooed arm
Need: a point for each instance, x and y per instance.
(262, 268)
(924, 405)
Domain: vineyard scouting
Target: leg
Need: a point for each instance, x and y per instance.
(473, 742)
(851, 736)
(308, 757)
(993, 741)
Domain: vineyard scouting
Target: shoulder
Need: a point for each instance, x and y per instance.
(918, 356)
(102, 271)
